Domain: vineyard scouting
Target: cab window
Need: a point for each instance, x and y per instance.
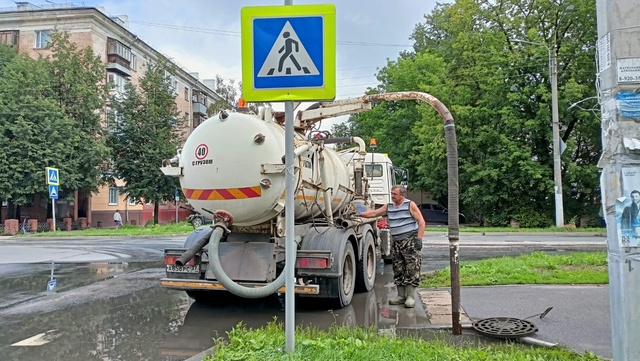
(373, 170)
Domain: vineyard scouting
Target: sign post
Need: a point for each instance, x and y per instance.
(289, 54)
(53, 180)
(52, 283)
(177, 200)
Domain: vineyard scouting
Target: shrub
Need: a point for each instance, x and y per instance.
(532, 219)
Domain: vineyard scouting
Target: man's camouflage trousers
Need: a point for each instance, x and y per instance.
(407, 261)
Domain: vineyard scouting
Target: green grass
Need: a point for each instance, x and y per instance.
(474, 229)
(535, 268)
(151, 230)
(344, 343)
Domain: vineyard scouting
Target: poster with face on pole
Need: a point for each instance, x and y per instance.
(628, 208)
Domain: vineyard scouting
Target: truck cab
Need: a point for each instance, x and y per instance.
(382, 175)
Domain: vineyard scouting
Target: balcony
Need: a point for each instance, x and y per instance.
(118, 65)
(119, 57)
(199, 108)
(9, 38)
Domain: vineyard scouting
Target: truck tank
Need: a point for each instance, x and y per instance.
(235, 162)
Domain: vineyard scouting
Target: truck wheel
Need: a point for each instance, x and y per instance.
(196, 222)
(347, 281)
(366, 270)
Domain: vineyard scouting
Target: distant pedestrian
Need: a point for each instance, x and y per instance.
(407, 229)
(117, 218)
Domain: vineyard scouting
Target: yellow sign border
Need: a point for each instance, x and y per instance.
(326, 92)
(47, 169)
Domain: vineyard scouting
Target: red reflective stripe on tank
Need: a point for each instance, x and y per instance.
(222, 194)
(225, 194)
(251, 192)
(205, 193)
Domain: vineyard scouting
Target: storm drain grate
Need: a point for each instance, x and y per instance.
(505, 327)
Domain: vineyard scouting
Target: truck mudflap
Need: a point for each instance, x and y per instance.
(206, 285)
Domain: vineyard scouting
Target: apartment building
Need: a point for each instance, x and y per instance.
(29, 27)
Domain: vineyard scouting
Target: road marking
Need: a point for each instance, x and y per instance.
(37, 340)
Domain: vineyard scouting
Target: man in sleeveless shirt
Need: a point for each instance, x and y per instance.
(407, 229)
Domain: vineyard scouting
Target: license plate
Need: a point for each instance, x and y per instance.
(183, 269)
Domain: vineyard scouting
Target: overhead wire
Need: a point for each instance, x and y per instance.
(238, 34)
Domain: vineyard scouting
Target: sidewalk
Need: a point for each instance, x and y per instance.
(579, 320)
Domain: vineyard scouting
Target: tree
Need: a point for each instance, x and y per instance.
(36, 133)
(498, 92)
(77, 85)
(228, 93)
(145, 129)
(50, 113)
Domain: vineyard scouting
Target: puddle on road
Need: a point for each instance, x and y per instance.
(21, 282)
(122, 322)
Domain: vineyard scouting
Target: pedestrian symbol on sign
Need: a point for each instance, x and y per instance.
(53, 192)
(52, 176)
(288, 56)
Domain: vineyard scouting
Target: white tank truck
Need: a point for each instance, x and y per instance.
(232, 167)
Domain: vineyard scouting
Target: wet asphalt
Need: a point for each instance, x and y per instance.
(107, 303)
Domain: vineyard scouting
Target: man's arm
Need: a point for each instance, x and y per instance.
(417, 215)
(372, 213)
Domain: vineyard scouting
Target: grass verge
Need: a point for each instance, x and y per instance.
(463, 228)
(534, 268)
(344, 343)
(127, 231)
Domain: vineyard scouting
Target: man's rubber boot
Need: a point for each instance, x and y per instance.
(411, 301)
(401, 297)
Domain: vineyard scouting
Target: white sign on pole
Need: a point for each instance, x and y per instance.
(628, 70)
(604, 53)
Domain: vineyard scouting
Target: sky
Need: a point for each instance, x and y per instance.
(203, 36)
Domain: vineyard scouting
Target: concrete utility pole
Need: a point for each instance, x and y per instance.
(555, 125)
(555, 118)
(619, 80)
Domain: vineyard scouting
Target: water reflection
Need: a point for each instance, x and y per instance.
(205, 322)
(129, 327)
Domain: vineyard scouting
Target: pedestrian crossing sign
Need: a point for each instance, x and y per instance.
(53, 191)
(51, 285)
(53, 176)
(288, 52)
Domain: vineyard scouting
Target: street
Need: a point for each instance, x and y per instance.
(107, 304)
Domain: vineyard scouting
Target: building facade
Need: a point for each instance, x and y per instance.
(29, 27)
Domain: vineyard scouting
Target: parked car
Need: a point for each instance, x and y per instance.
(435, 213)
(197, 219)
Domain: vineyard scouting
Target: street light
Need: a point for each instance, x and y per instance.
(555, 123)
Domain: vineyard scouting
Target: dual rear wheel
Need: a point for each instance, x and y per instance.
(358, 273)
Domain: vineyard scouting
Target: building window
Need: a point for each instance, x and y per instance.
(117, 82)
(134, 62)
(113, 118)
(43, 39)
(9, 38)
(186, 93)
(114, 195)
(132, 201)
